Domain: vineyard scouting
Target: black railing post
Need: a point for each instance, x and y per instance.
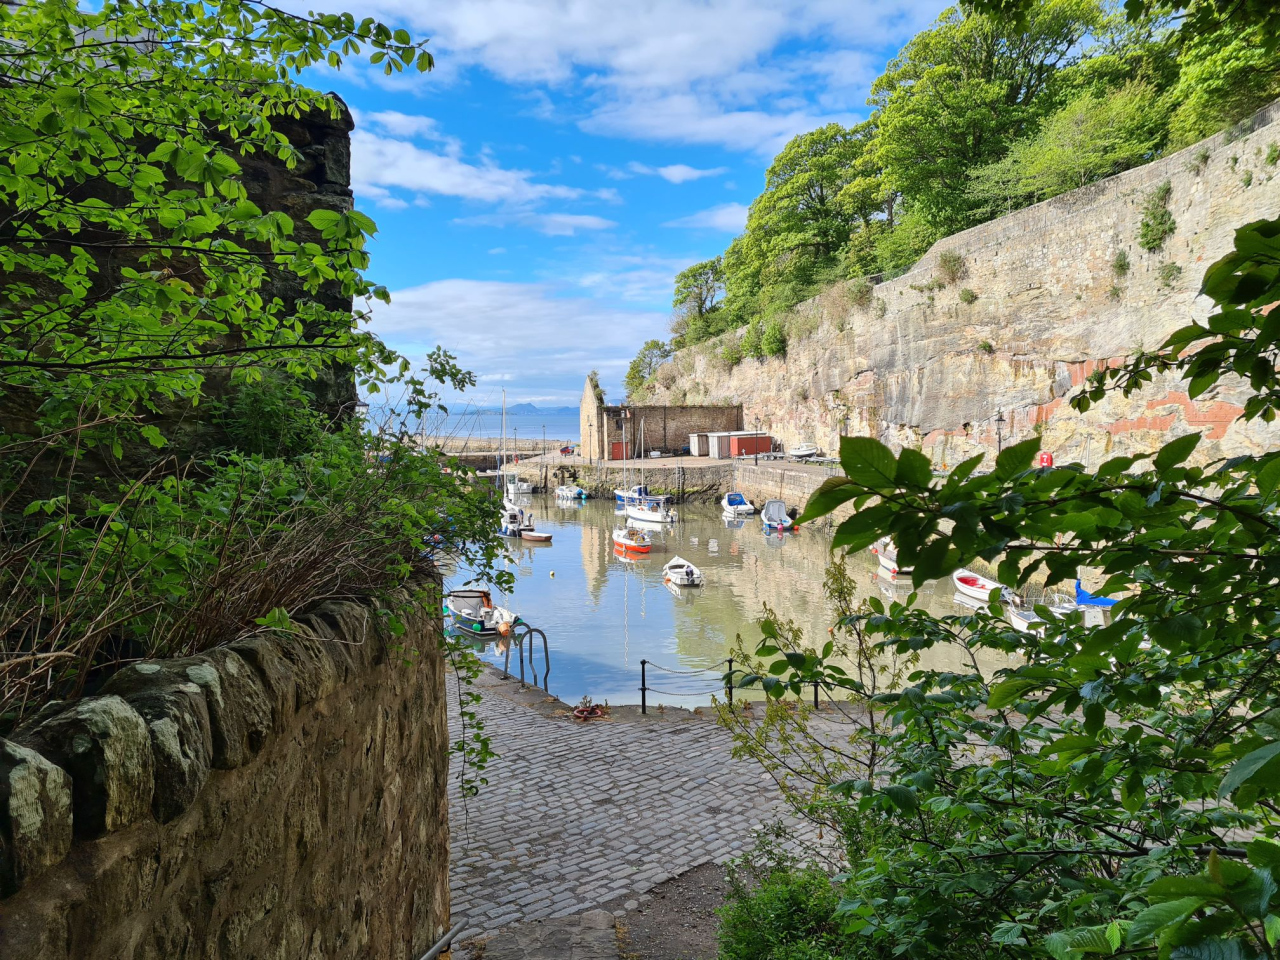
(728, 683)
(815, 694)
(644, 707)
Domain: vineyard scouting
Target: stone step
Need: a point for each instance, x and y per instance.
(584, 936)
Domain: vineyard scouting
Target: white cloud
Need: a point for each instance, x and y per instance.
(497, 250)
(743, 63)
(729, 217)
(497, 329)
(551, 224)
(672, 173)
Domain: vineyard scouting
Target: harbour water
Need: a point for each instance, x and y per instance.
(603, 614)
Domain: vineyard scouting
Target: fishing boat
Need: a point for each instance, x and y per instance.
(514, 486)
(650, 510)
(736, 505)
(512, 522)
(774, 516)
(632, 540)
(886, 553)
(972, 585)
(570, 492)
(473, 611)
(682, 573)
(803, 451)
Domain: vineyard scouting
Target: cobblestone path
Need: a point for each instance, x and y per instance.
(576, 815)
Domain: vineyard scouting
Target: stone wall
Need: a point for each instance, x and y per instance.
(666, 426)
(919, 367)
(275, 798)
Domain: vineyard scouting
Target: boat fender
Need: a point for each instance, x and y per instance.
(504, 629)
(553, 574)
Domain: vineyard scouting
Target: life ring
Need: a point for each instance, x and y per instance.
(587, 713)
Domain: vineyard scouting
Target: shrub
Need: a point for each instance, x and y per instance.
(751, 340)
(1247, 179)
(1273, 155)
(967, 296)
(1199, 161)
(731, 354)
(1169, 274)
(1115, 292)
(881, 307)
(788, 914)
(1157, 222)
(270, 417)
(1120, 265)
(861, 292)
(986, 347)
(951, 265)
(774, 341)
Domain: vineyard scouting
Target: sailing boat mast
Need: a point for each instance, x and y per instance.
(502, 445)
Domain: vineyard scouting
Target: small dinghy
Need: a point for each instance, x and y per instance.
(632, 540)
(774, 516)
(682, 573)
(803, 451)
(570, 492)
(473, 611)
(535, 536)
(886, 553)
(972, 585)
(736, 505)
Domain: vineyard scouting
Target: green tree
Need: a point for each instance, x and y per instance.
(651, 356)
(1223, 78)
(773, 342)
(699, 291)
(962, 91)
(1090, 138)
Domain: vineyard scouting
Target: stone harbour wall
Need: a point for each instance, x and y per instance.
(917, 366)
(280, 797)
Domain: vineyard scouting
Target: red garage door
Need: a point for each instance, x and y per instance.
(621, 451)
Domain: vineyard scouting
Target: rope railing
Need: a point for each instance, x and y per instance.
(725, 682)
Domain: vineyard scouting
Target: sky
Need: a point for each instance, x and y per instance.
(537, 192)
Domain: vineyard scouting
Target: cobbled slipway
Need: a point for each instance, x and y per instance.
(576, 815)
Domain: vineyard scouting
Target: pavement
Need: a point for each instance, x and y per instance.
(578, 816)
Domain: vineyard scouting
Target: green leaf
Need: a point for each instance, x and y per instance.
(914, 469)
(323, 219)
(1010, 691)
(834, 492)
(1244, 769)
(1176, 451)
(1175, 888)
(1177, 631)
(1153, 920)
(868, 462)
(904, 798)
(1016, 459)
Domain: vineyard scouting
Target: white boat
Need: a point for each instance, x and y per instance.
(774, 515)
(514, 486)
(570, 492)
(803, 451)
(512, 522)
(736, 505)
(887, 554)
(474, 612)
(631, 540)
(638, 492)
(682, 573)
(973, 585)
(651, 511)
(1025, 620)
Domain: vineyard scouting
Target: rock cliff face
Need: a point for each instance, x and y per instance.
(925, 364)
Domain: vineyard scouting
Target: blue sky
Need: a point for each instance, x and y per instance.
(536, 193)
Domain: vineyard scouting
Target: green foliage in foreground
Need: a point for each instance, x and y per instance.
(1094, 791)
(166, 481)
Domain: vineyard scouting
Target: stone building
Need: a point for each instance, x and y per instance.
(622, 432)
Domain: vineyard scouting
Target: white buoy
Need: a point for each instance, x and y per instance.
(553, 574)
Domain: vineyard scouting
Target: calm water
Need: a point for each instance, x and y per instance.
(602, 615)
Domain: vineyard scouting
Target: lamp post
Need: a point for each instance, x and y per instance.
(999, 439)
(591, 450)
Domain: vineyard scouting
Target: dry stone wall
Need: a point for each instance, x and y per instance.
(919, 366)
(281, 797)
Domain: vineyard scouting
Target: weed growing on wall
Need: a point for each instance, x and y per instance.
(1199, 161)
(861, 292)
(774, 340)
(951, 266)
(1169, 274)
(968, 296)
(1120, 265)
(1273, 155)
(1157, 223)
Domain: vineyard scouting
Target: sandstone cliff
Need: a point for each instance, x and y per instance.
(925, 364)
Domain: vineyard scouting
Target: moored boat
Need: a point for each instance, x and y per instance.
(639, 492)
(1025, 620)
(473, 611)
(632, 540)
(650, 510)
(570, 492)
(973, 585)
(886, 552)
(535, 536)
(736, 505)
(682, 573)
(774, 515)
(512, 485)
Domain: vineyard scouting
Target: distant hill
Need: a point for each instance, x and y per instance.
(528, 409)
